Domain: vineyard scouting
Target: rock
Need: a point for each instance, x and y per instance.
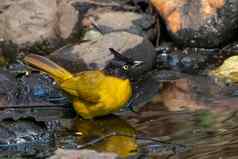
(131, 22)
(227, 71)
(24, 137)
(82, 154)
(187, 60)
(38, 88)
(101, 16)
(92, 35)
(96, 55)
(87, 5)
(68, 19)
(27, 95)
(21, 131)
(8, 89)
(142, 4)
(30, 21)
(36, 22)
(199, 23)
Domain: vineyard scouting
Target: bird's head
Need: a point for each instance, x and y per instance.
(122, 66)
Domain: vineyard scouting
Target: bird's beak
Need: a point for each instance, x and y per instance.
(137, 63)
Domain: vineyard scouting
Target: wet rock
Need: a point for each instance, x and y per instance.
(188, 60)
(224, 53)
(24, 94)
(96, 55)
(8, 87)
(22, 87)
(21, 131)
(30, 21)
(39, 88)
(40, 112)
(82, 154)
(142, 4)
(6, 136)
(25, 130)
(199, 23)
(24, 138)
(192, 60)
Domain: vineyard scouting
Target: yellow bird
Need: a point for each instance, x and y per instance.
(94, 92)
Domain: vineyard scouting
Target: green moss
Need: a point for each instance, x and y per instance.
(3, 61)
(43, 47)
(77, 36)
(206, 119)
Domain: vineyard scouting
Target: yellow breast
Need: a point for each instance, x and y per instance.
(115, 92)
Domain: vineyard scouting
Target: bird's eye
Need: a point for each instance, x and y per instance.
(125, 67)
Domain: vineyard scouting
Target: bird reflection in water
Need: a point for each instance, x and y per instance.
(122, 142)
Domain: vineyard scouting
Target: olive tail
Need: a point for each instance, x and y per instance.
(55, 71)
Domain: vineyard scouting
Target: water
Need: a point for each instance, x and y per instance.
(154, 131)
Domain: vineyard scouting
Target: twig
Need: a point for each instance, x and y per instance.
(100, 139)
(96, 26)
(95, 141)
(233, 114)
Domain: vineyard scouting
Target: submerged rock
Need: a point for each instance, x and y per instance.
(183, 91)
(179, 94)
(199, 23)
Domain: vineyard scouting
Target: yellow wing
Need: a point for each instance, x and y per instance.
(85, 85)
(90, 110)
